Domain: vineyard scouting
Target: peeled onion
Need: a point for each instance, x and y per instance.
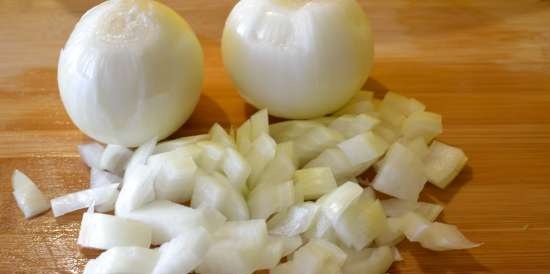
(298, 59)
(131, 70)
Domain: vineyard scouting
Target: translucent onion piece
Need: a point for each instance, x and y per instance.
(29, 198)
(443, 163)
(284, 268)
(192, 150)
(441, 237)
(361, 223)
(179, 142)
(216, 192)
(354, 108)
(313, 183)
(237, 169)
(289, 130)
(422, 124)
(349, 125)
(138, 188)
(337, 201)
(176, 177)
(393, 234)
(83, 199)
(100, 178)
(310, 144)
(115, 158)
(261, 152)
(389, 133)
(271, 254)
(396, 207)
(183, 253)
(259, 124)
(396, 254)
(294, 221)
(91, 154)
(290, 244)
(360, 97)
(211, 156)
(124, 259)
(267, 43)
(412, 225)
(325, 120)
(140, 156)
(243, 138)
(402, 174)
(168, 219)
(418, 146)
(267, 199)
(218, 134)
(402, 104)
(337, 161)
(318, 256)
(102, 231)
(363, 148)
(130, 70)
(281, 168)
(369, 261)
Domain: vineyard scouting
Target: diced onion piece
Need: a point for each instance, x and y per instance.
(218, 134)
(243, 138)
(317, 257)
(183, 253)
(168, 219)
(138, 188)
(29, 198)
(402, 174)
(211, 156)
(314, 182)
(290, 244)
(109, 204)
(192, 150)
(284, 268)
(412, 225)
(236, 248)
(83, 199)
(281, 168)
(236, 168)
(349, 125)
(393, 234)
(337, 161)
(91, 154)
(140, 156)
(310, 144)
(396, 254)
(337, 201)
(369, 261)
(124, 259)
(361, 223)
(417, 145)
(267, 199)
(271, 254)
(216, 192)
(176, 177)
(102, 231)
(261, 152)
(389, 133)
(440, 237)
(404, 105)
(289, 130)
(100, 178)
(115, 158)
(360, 103)
(363, 148)
(259, 124)
(396, 207)
(422, 124)
(179, 142)
(443, 163)
(294, 221)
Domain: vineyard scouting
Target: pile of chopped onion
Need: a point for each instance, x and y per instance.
(283, 197)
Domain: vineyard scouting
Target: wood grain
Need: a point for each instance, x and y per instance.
(484, 65)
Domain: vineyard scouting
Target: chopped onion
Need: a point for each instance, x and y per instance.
(267, 199)
(337, 201)
(179, 142)
(211, 156)
(124, 259)
(236, 168)
(396, 207)
(349, 125)
(115, 158)
(310, 144)
(100, 178)
(243, 138)
(183, 253)
(290, 244)
(102, 231)
(441, 237)
(402, 174)
(29, 198)
(261, 152)
(318, 257)
(281, 168)
(91, 154)
(315, 182)
(294, 221)
(360, 103)
(386, 131)
(369, 261)
(138, 188)
(100, 196)
(393, 234)
(271, 254)
(337, 161)
(216, 192)
(168, 219)
(259, 124)
(443, 163)
(363, 148)
(289, 130)
(219, 135)
(176, 177)
(422, 124)
(191, 150)
(140, 156)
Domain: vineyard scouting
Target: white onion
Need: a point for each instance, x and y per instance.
(261, 152)
(179, 142)
(183, 253)
(211, 156)
(131, 70)
(316, 257)
(289, 130)
(443, 163)
(141, 154)
(217, 192)
(299, 59)
(100, 178)
(251, 129)
(313, 183)
(236, 168)
(281, 168)
(349, 125)
(337, 201)
(363, 148)
(124, 259)
(219, 135)
(294, 221)
(115, 158)
(310, 144)
(29, 198)
(361, 102)
(369, 261)
(422, 124)
(176, 177)
(396, 207)
(138, 188)
(100, 196)
(337, 161)
(290, 244)
(267, 199)
(102, 231)
(393, 234)
(91, 154)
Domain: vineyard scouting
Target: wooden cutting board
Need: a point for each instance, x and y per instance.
(484, 65)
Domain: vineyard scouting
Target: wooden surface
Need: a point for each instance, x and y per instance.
(484, 65)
